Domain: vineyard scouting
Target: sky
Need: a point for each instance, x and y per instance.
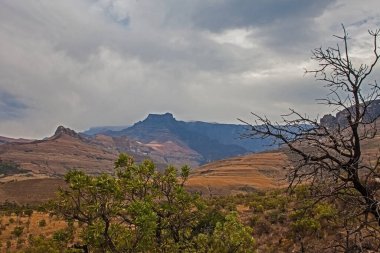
(85, 63)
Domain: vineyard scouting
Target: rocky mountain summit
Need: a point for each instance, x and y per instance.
(61, 131)
(340, 119)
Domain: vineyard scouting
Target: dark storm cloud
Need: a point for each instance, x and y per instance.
(220, 15)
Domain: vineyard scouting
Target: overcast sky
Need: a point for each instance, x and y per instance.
(83, 63)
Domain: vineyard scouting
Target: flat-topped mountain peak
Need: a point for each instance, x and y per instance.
(167, 115)
(159, 118)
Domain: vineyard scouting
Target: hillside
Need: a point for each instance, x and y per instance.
(66, 150)
(56, 155)
(4, 140)
(241, 174)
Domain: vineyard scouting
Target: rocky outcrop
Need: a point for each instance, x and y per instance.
(341, 118)
(329, 121)
(62, 131)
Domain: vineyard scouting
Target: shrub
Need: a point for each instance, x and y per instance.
(17, 231)
(143, 210)
(42, 223)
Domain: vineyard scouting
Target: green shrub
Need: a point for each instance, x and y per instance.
(140, 209)
(42, 223)
(325, 211)
(17, 231)
(28, 212)
(305, 225)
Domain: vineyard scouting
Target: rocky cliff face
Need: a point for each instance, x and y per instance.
(160, 119)
(61, 130)
(329, 121)
(373, 112)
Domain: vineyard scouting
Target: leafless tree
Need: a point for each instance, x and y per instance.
(330, 157)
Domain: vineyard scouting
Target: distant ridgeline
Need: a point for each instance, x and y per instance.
(212, 141)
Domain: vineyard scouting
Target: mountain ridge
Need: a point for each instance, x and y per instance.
(213, 141)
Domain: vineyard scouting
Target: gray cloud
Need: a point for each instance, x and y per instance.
(83, 63)
(220, 15)
(11, 107)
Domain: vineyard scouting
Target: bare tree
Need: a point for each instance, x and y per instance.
(329, 157)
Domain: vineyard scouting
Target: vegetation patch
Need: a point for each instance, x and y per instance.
(10, 168)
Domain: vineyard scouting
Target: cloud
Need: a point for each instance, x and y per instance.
(229, 14)
(83, 63)
(11, 107)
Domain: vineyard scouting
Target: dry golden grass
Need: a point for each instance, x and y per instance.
(240, 174)
(31, 227)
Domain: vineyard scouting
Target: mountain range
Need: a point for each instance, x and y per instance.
(39, 165)
(159, 137)
(212, 141)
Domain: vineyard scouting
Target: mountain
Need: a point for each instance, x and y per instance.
(166, 152)
(230, 134)
(57, 154)
(212, 141)
(373, 112)
(67, 149)
(40, 164)
(161, 138)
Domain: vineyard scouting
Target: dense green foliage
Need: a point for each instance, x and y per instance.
(142, 210)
